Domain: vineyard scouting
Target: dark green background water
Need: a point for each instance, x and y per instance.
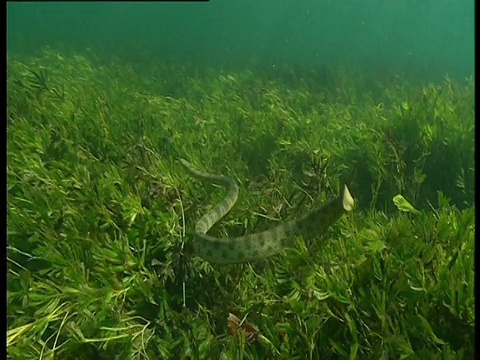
(422, 39)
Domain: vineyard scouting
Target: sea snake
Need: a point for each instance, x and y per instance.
(262, 244)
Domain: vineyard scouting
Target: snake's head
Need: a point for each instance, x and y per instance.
(348, 202)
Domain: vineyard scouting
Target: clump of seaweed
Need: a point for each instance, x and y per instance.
(100, 251)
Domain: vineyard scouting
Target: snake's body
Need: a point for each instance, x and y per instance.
(262, 244)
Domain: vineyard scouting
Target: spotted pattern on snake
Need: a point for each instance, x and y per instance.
(262, 244)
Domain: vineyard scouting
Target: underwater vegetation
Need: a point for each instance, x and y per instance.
(101, 214)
